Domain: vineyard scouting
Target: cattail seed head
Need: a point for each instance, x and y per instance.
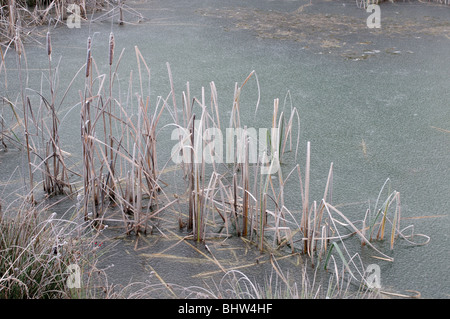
(88, 62)
(49, 45)
(111, 48)
(88, 56)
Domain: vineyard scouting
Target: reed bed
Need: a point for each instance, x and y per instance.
(121, 170)
(243, 196)
(260, 214)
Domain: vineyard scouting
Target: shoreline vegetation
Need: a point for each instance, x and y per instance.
(21, 18)
(121, 182)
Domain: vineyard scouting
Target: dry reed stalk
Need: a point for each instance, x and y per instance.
(87, 132)
(262, 213)
(191, 190)
(215, 104)
(235, 204)
(364, 228)
(20, 51)
(311, 237)
(12, 19)
(199, 176)
(120, 12)
(305, 212)
(172, 92)
(197, 218)
(396, 221)
(256, 175)
(110, 138)
(245, 182)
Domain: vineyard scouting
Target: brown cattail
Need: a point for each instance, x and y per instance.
(49, 45)
(111, 48)
(88, 62)
(88, 57)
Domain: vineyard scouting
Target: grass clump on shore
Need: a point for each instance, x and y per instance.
(36, 251)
